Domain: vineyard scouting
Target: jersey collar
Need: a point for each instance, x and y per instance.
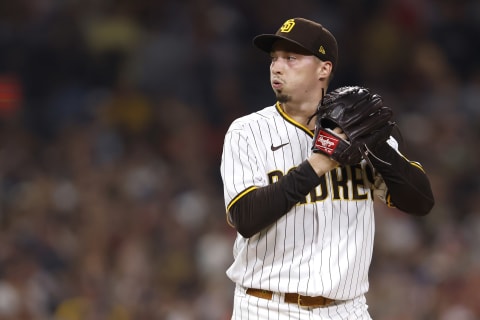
(289, 119)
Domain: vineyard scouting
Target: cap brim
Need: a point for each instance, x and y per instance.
(265, 42)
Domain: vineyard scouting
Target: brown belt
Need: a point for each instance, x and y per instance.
(304, 301)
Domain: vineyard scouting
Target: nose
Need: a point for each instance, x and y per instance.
(276, 66)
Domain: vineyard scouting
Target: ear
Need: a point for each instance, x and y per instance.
(324, 69)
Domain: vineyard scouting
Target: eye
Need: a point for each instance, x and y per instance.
(291, 58)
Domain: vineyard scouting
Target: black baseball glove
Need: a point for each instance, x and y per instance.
(361, 116)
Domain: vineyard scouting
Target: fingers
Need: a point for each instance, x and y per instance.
(340, 133)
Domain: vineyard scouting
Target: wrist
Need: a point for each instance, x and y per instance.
(321, 163)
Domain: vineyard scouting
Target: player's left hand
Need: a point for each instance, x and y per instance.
(350, 122)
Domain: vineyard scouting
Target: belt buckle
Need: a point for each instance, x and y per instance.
(301, 304)
(299, 300)
(324, 302)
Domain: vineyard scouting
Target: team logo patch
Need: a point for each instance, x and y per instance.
(326, 142)
(287, 26)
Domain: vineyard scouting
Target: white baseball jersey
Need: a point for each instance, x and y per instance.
(323, 245)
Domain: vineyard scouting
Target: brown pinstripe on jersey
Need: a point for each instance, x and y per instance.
(323, 246)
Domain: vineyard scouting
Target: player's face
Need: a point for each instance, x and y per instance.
(293, 71)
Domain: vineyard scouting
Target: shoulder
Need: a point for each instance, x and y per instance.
(266, 114)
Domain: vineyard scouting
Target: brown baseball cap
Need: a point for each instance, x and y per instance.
(309, 35)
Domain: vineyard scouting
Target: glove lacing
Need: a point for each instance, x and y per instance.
(316, 112)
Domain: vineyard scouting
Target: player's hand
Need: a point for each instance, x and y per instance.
(362, 117)
(340, 133)
(322, 163)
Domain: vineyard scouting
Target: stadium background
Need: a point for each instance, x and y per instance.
(112, 116)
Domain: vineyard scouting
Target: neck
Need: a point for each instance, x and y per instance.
(304, 107)
(301, 113)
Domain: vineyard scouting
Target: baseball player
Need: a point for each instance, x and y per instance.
(305, 224)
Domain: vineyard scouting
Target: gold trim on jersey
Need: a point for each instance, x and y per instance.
(389, 202)
(241, 194)
(289, 119)
(416, 164)
(311, 133)
(234, 200)
(413, 163)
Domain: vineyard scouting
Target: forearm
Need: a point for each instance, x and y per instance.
(263, 206)
(407, 183)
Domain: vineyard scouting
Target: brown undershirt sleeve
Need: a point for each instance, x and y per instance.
(263, 206)
(407, 184)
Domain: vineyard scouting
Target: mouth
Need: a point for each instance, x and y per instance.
(277, 84)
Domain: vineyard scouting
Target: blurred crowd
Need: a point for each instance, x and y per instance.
(112, 117)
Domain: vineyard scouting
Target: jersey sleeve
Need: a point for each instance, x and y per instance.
(240, 165)
(251, 202)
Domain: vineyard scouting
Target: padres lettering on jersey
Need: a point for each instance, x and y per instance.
(348, 183)
(323, 245)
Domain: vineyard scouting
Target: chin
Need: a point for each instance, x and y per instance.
(282, 98)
